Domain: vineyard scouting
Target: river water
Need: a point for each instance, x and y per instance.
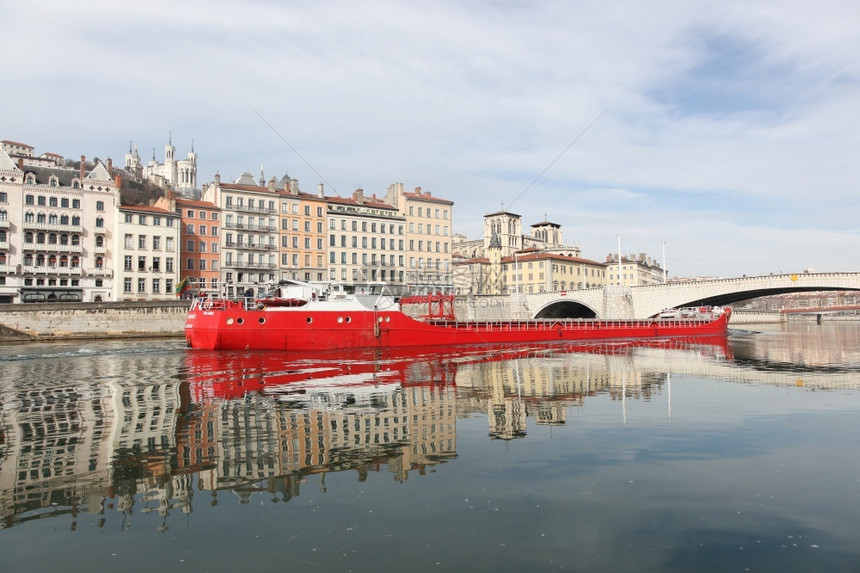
(720, 454)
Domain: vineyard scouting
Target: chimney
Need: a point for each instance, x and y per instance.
(320, 190)
(118, 182)
(272, 184)
(358, 195)
(21, 163)
(294, 187)
(83, 167)
(418, 191)
(110, 165)
(218, 179)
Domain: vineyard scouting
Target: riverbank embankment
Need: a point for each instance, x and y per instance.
(93, 320)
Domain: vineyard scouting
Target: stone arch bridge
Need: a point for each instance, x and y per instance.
(617, 302)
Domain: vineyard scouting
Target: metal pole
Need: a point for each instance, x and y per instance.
(619, 259)
(664, 262)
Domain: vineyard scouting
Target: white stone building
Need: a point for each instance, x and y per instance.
(147, 247)
(56, 229)
(177, 174)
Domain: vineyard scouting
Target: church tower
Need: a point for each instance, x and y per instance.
(507, 228)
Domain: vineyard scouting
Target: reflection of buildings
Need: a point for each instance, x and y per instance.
(132, 437)
(258, 438)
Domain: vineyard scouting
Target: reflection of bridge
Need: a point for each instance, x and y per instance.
(615, 302)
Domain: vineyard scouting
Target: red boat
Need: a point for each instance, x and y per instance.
(340, 316)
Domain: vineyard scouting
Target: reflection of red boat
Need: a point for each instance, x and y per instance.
(335, 317)
(234, 374)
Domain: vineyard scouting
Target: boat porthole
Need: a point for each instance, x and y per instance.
(240, 321)
(380, 319)
(229, 321)
(262, 320)
(387, 319)
(348, 319)
(309, 319)
(339, 319)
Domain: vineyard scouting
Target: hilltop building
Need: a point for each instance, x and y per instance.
(177, 174)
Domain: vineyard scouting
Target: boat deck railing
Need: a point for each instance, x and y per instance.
(570, 324)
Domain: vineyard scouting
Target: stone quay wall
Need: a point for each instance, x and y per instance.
(92, 320)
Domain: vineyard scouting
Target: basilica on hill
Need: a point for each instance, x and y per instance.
(177, 174)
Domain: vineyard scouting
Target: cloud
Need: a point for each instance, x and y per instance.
(730, 129)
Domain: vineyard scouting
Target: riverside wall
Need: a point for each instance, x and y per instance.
(92, 320)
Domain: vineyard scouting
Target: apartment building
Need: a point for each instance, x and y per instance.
(302, 246)
(428, 238)
(249, 230)
(634, 270)
(534, 271)
(147, 245)
(199, 248)
(56, 229)
(366, 241)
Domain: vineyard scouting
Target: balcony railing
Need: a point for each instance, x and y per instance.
(4, 223)
(52, 227)
(247, 209)
(243, 265)
(100, 272)
(53, 247)
(52, 270)
(250, 246)
(251, 227)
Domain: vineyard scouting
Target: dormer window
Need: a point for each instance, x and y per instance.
(53, 181)
(30, 179)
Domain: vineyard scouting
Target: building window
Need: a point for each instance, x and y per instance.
(126, 287)
(100, 205)
(141, 285)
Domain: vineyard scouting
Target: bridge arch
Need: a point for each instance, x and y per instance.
(566, 309)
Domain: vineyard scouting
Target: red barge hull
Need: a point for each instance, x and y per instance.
(233, 325)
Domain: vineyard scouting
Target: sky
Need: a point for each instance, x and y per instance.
(723, 134)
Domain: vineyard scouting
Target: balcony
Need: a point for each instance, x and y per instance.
(4, 245)
(52, 270)
(247, 209)
(4, 224)
(250, 246)
(7, 268)
(100, 250)
(251, 227)
(100, 272)
(52, 227)
(53, 247)
(242, 265)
